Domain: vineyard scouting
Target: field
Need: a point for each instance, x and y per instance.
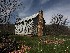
(45, 44)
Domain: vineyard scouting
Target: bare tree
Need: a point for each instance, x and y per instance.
(59, 20)
(59, 24)
(6, 8)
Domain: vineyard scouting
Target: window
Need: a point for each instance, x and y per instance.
(28, 29)
(22, 22)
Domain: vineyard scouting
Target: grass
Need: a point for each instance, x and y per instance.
(38, 44)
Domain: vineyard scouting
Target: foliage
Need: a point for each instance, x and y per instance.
(53, 30)
(58, 25)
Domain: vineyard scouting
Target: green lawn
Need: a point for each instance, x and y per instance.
(46, 44)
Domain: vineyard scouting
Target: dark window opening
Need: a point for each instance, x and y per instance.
(28, 29)
(22, 22)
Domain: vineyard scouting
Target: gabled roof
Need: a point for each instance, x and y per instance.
(27, 18)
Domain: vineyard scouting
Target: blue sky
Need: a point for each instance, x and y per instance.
(49, 7)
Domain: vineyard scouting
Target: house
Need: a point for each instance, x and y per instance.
(32, 25)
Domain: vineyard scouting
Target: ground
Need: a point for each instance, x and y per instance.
(45, 44)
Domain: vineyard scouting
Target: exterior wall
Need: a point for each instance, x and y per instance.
(33, 25)
(26, 26)
(23, 28)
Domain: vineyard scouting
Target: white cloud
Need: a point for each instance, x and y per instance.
(64, 10)
(22, 13)
(27, 4)
(43, 1)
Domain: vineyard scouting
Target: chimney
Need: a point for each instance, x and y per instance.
(40, 23)
(41, 12)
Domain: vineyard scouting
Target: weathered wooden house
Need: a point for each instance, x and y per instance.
(33, 25)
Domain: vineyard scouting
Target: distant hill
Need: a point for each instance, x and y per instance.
(57, 30)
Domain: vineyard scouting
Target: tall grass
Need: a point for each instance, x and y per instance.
(37, 44)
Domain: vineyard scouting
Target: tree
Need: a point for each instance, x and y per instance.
(6, 8)
(59, 24)
(59, 20)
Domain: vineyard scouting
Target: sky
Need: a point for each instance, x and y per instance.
(49, 7)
